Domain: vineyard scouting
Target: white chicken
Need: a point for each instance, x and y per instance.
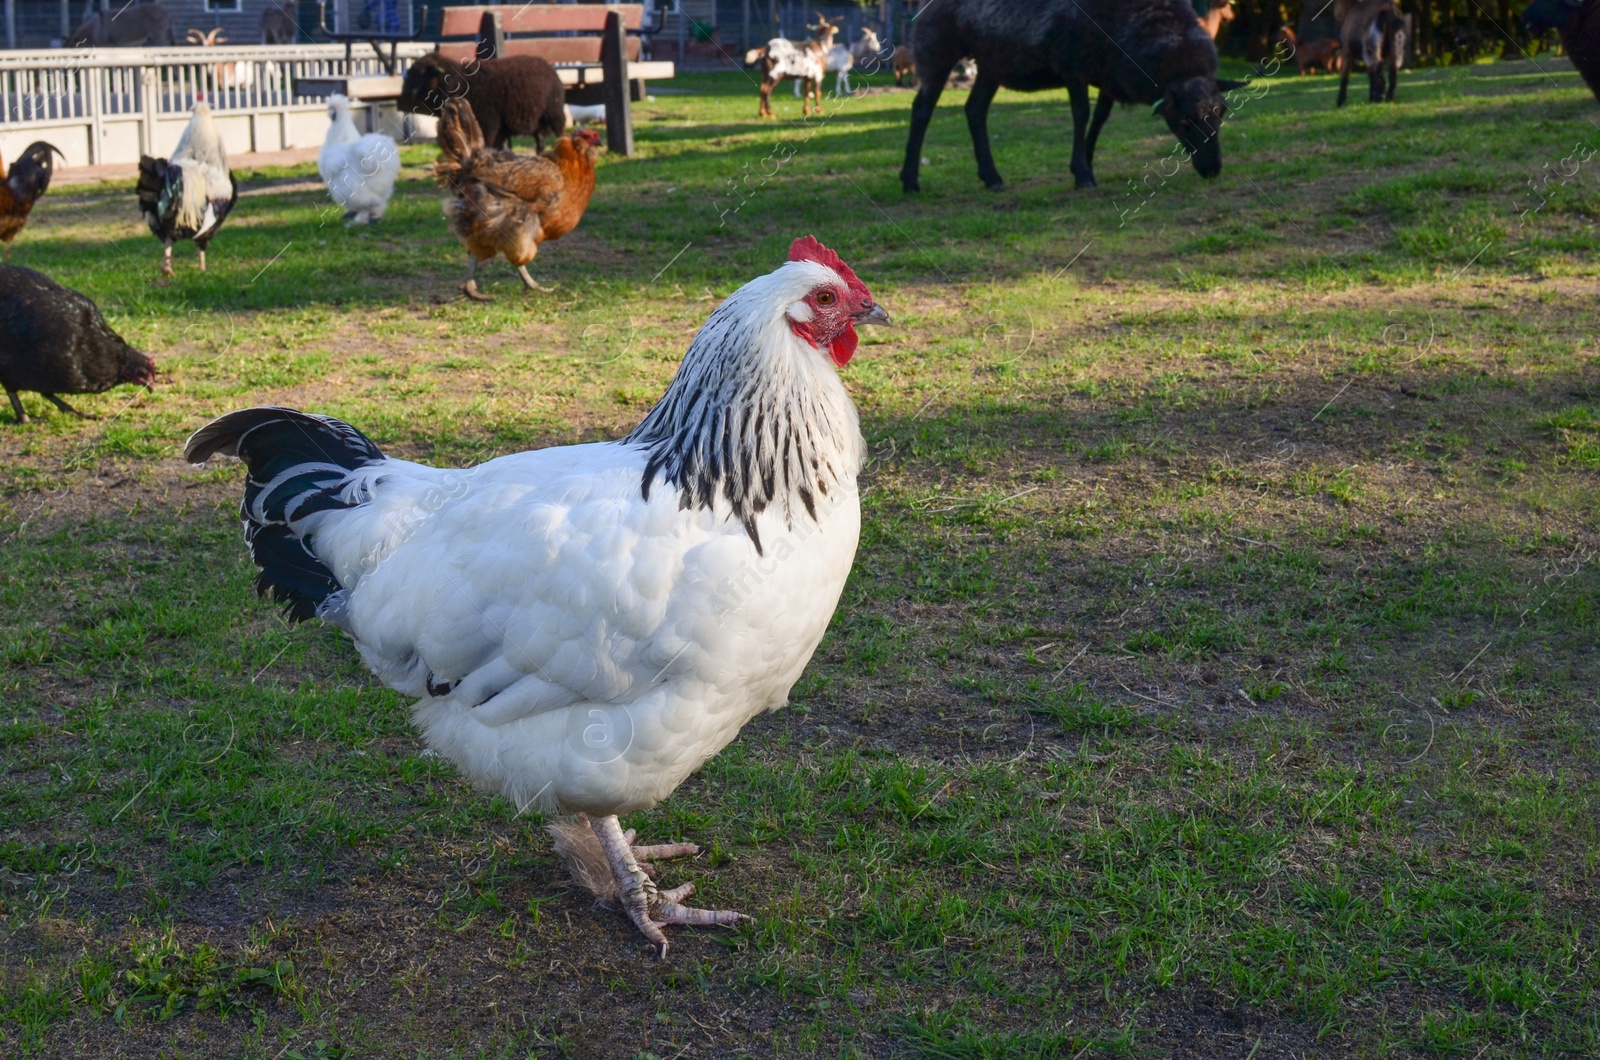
(189, 195)
(359, 171)
(583, 626)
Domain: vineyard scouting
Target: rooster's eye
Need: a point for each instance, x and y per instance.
(825, 297)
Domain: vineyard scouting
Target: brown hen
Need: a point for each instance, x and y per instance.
(505, 203)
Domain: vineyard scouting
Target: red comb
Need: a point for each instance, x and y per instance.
(806, 248)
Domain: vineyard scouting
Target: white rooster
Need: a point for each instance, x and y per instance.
(583, 626)
(360, 171)
(188, 195)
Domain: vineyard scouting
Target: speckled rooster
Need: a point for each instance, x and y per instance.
(583, 626)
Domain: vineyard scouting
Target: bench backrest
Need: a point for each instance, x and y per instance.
(527, 31)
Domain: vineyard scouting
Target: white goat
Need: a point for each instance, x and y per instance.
(863, 54)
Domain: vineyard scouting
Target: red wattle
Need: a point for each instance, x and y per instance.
(841, 349)
(843, 346)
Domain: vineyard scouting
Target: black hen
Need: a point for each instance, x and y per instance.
(53, 341)
(24, 185)
(187, 196)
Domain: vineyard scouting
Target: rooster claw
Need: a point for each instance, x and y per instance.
(470, 289)
(607, 862)
(529, 282)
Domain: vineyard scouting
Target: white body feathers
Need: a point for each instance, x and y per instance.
(206, 179)
(359, 171)
(573, 644)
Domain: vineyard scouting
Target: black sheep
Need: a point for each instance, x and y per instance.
(1133, 51)
(1579, 26)
(519, 96)
(53, 341)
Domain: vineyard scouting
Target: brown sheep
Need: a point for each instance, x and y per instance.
(519, 96)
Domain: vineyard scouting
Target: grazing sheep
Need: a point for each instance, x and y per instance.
(1310, 56)
(1114, 45)
(1579, 26)
(519, 96)
(1371, 32)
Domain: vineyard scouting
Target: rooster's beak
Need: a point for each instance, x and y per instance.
(876, 315)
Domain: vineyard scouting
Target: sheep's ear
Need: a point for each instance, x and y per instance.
(1161, 107)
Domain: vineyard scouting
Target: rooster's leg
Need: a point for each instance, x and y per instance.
(470, 288)
(202, 259)
(166, 260)
(649, 907)
(16, 406)
(64, 407)
(528, 282)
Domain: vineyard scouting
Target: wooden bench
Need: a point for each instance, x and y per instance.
(598, 50)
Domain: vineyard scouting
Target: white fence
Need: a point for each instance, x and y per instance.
(107, 106)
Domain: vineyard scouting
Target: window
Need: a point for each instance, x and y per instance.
(222, 5)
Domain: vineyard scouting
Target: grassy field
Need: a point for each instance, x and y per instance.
(1217, 677)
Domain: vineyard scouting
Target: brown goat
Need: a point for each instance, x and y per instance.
(805, 61)
(227, 75)
(1310, 56)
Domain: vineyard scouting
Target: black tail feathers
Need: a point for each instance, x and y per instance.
(298, 465)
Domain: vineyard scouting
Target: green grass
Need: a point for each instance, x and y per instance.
(1217, 677)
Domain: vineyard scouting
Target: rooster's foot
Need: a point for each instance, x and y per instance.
(470, 289)
(604, 859)
(528, 281)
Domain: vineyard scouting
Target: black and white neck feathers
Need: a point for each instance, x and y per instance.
(755, 417)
